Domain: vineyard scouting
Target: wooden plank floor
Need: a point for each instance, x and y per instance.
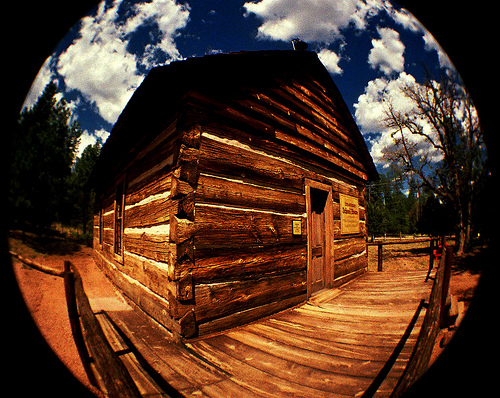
(333, 345)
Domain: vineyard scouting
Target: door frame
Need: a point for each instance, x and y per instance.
(328, 256)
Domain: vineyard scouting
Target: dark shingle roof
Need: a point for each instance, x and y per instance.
(158, 98)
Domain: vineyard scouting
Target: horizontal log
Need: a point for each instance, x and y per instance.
(158, 156)
(230, 157)
(399, 241)
(188, 172)
(150, 273)
(326, 109)
(221, 225)
(216, 264)
(108, 217)
(167, 138)
(221, 299)
(347, 247)
(181, 229)
(155, 247)
(297, 112)
(180, 188)
(158, 183)
(313, 109)
(263, 136)
(36, 265)
(151, 303)
(191, 135)
(150, 213)
(327, 112)
(246, 193)
(349, 265)
(286, 130)
(249, 315)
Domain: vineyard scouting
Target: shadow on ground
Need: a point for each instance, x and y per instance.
(51, 243)
(474, 261)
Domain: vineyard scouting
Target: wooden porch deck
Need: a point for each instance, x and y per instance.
(333, 345)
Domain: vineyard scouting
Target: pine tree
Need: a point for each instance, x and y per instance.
(81, 193)
(41, 157)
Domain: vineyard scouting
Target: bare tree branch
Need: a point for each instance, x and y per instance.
(439, 140)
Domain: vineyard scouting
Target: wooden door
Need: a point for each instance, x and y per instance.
(318, 201)
(320, 237)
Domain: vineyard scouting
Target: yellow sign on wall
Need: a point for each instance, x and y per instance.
(297, 227)
(349, 214)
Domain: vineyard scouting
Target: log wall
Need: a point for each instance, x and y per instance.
(248, 263)
(209, 206)
(156, 192)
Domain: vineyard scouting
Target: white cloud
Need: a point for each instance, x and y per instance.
(371, 111)
(366, 9)
(406, 19)
(331, 61)
(43, 78)
(102, 135)
(98, 64)
(372, 106)
(87, 139)
(432, 44)
(311, 20)
(387, 52)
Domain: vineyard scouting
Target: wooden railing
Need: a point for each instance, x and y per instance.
(432, 244)
(37, 266)
(90, 340)
(433, 320)
(114, 375)
(94, 348)
(376, 383)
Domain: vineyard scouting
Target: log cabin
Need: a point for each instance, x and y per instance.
(231, 187)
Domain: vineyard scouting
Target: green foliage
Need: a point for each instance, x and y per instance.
(389, 209)
(46, 184)
(83, 197)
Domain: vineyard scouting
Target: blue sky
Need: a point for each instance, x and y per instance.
(370, 47)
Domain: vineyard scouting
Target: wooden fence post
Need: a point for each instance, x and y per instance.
(431, 259)
(379, 264)
(74, 320)
(446, 281)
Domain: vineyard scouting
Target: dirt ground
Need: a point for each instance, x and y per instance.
(45, 298)
(408, 256)
(466, 270)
